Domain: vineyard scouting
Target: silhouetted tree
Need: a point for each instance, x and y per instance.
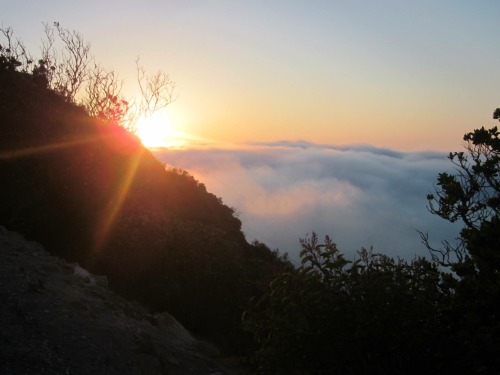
(69, 63)
(472, 196)
(156, 90)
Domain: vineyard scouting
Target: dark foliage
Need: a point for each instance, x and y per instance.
(375, 315)
(472, 196)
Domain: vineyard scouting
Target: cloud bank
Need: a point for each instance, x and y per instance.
(360, 195)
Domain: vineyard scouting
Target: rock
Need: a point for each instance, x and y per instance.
(87, 277)
(58, 318)
(173, 328)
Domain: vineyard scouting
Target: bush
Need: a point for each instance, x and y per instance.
(332, 316)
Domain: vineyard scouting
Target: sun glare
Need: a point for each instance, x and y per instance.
(156, 131)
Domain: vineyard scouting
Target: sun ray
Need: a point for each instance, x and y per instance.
(113, 208)
(28, 151)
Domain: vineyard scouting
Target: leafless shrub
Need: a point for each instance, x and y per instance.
(68, 68)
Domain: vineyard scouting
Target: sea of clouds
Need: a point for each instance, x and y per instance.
(360, 195)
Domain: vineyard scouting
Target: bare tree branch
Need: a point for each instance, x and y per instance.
(69, 66)
(14, 50)
(156, 90)
(449, 254)
(103, 97)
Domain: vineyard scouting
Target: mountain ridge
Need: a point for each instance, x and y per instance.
(89, 192)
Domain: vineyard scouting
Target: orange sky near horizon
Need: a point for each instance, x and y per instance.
(401, 75)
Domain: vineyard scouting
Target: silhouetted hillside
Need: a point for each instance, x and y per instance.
(90, 192)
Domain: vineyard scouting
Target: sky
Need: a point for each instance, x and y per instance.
(408, 75)
(333, 116)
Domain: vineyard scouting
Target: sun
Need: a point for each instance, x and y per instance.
(156, 131)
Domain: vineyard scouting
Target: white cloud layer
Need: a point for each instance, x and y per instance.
(361, 196)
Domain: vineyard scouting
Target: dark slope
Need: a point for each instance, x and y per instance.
(63, 157)
(90, 192)
(57, 320)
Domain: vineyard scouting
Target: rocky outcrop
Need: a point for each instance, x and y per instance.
(57, 318)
